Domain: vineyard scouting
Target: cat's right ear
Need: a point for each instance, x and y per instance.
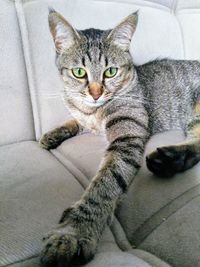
(122, 34)
(64, 35)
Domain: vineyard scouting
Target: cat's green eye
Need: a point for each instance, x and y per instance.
(79, 72)
(110, 72)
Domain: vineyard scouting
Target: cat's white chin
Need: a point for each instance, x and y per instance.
(94, 104)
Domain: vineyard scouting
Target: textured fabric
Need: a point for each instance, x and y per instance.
(177, 238)
(87, 157)
(185, 4)
(151, 202)
(110, 259)
(189, 22)
(45, 84)
(35, 189)
(150, 258)
(23, 222)
(32, 262)
(16, 122)
(109, 255)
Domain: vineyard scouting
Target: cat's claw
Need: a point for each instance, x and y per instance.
(64, 247)
(167, 161)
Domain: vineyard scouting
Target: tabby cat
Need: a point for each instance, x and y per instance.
(104, 91)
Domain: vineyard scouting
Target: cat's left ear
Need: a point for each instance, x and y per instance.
(122, 34)
(64, 35)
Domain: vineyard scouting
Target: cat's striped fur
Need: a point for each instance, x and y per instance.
(143, 100)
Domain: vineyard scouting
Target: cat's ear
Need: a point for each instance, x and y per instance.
(122, 34)
(64, 35)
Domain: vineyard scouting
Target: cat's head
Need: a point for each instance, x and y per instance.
(95, 65)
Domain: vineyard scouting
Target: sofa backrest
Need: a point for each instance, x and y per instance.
(16, 120)
(30, 88)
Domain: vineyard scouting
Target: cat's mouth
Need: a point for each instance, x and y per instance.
(89, 101)
(94, 103)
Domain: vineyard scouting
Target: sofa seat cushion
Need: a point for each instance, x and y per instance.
(108, 255)
(82, 154)
(158, 215)
(162, 215)
(35, 189)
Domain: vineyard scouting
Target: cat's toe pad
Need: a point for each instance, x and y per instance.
(166, 161)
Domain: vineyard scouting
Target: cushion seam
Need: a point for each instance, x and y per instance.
(174, 6)
(29, 258)
(180, 27)
(74, 164)
(29, 68)
(182, 36)
(167, 217)
(50, 152)
(141, 236)
(17, 142)
(69, 169)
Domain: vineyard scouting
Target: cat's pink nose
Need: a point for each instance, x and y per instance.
(95, 90)
(96, 97)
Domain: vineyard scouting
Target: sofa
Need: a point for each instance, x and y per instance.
(157, 221)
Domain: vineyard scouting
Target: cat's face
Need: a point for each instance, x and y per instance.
(95, 65)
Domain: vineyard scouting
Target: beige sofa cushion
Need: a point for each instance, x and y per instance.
(35, 189)
(162, 215)
(16, 120)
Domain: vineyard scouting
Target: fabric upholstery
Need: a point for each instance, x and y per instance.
(150, 201)
(188, 6)
(108, 255)
(162, 214)
(159, 216)
(35, 189)
(89, 146)
(16, 120)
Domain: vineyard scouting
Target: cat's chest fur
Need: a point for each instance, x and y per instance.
(92, 122)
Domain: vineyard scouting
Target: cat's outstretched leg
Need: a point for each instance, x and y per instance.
(75, 241)
(55, 137)
(169, 160)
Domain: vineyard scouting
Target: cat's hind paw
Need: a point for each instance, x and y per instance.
(169, 160)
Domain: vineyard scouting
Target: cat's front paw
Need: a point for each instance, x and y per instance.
(66, 247)
(50, 140)
(169, 160)
(73, 243)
